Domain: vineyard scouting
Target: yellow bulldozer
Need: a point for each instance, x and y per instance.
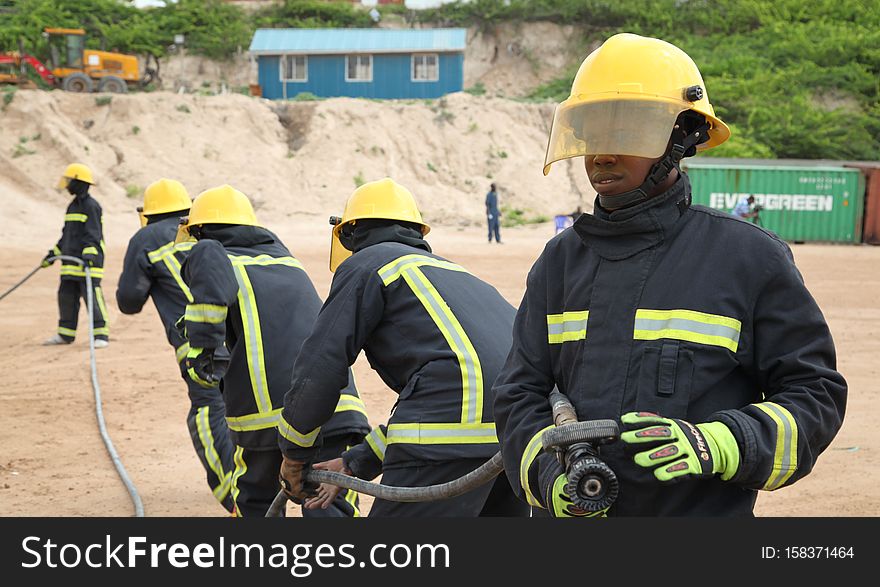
(77, 69)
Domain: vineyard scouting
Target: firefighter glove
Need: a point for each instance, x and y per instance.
(200, 367)
(294, 482)
(678, 450)
(558, 501)
(48, 260)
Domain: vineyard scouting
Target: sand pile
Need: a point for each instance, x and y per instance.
(298, 158)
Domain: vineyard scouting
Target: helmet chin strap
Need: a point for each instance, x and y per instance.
(684, 147)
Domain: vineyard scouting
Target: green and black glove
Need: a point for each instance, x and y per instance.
(678, 450)
(200, 367)
(48, 260)
(558, 502)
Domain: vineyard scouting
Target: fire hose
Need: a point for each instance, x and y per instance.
(592, 484)
(99, 411)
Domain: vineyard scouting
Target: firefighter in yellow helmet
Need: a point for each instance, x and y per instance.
(690, 327)
(82, 237)
(437, 336)
(152, 270)
(251, 295)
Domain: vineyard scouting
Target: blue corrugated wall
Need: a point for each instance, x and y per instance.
(391, 78)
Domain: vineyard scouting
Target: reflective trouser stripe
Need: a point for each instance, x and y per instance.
(181, 351)
(351, 497)
(75, 217)
(351, 403)
(67, 331)
(688, 325)
(165, 254)
(295, 436)
(442, 434)
(408, 267)
(252, 422)
(785, 454)
(533, 448)
(567, 327)
(206, 436)
(102, 307)
(253, 340)
(102, 331)
(206, 313)
(376, 441)
(240, 469)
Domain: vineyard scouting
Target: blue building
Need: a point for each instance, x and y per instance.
(362, 63)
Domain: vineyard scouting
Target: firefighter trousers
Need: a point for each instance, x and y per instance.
(494, 499)
(69, 293)
(255, 481)
(206, 422)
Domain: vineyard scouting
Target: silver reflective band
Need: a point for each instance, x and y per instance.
(688, 325)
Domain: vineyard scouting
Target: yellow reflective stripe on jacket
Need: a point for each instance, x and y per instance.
(90, 251)
(785, 454)
(567, 327)
(165, 254)
(206, 437)
(306, 440)
(75, 217)
(688, 325)
(533, 448)
(431, 433)
(452, 330)
(251, 422)
(390, 272)
(253, 339)
(206, 313)
(265, 260)
(181, 351)
(78, 271)
(376, 440)
(56, 250)
(351, 403)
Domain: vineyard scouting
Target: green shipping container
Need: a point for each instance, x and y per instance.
(800, 204)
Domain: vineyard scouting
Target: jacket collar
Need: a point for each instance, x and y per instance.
(623, 233)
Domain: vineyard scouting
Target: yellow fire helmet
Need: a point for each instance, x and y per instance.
(625, 100)
(382, 199)
(75, 171)
(219, 205)
(165, 195)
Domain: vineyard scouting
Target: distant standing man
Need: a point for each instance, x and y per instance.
(743, 208)
(152, 270)
(82, 237)
(493, 216)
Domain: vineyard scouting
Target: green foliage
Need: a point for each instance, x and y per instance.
(183, 108)
(516, 217)
(478, 89)
(359, 179)
(312, 14)
(135, 130)
(305, 97)
(132, 191)
(103, 100)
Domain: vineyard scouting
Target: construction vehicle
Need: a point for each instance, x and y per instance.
(74, 68)
(78, 69)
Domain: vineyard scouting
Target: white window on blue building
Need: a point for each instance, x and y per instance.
(425, 68)
(294, 68)
(359, 68)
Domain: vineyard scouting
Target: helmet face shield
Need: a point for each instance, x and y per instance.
(640, 128)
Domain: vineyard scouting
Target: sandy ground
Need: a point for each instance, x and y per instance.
(54, 462)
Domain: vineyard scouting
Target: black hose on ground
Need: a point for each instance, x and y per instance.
(16, 286)
(479, 476)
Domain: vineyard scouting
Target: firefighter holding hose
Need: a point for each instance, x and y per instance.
(693, 329)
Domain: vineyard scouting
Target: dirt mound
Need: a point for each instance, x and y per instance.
(290, 158)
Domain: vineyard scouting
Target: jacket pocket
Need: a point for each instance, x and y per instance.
(665, 377)
(406, 392)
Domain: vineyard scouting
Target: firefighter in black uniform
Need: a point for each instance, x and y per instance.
(249, 292)
(692, 328)
(82, 237)
(436, 335)
(152, 270)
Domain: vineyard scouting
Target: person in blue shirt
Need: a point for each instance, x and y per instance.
(493, 216)
(743, 208)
